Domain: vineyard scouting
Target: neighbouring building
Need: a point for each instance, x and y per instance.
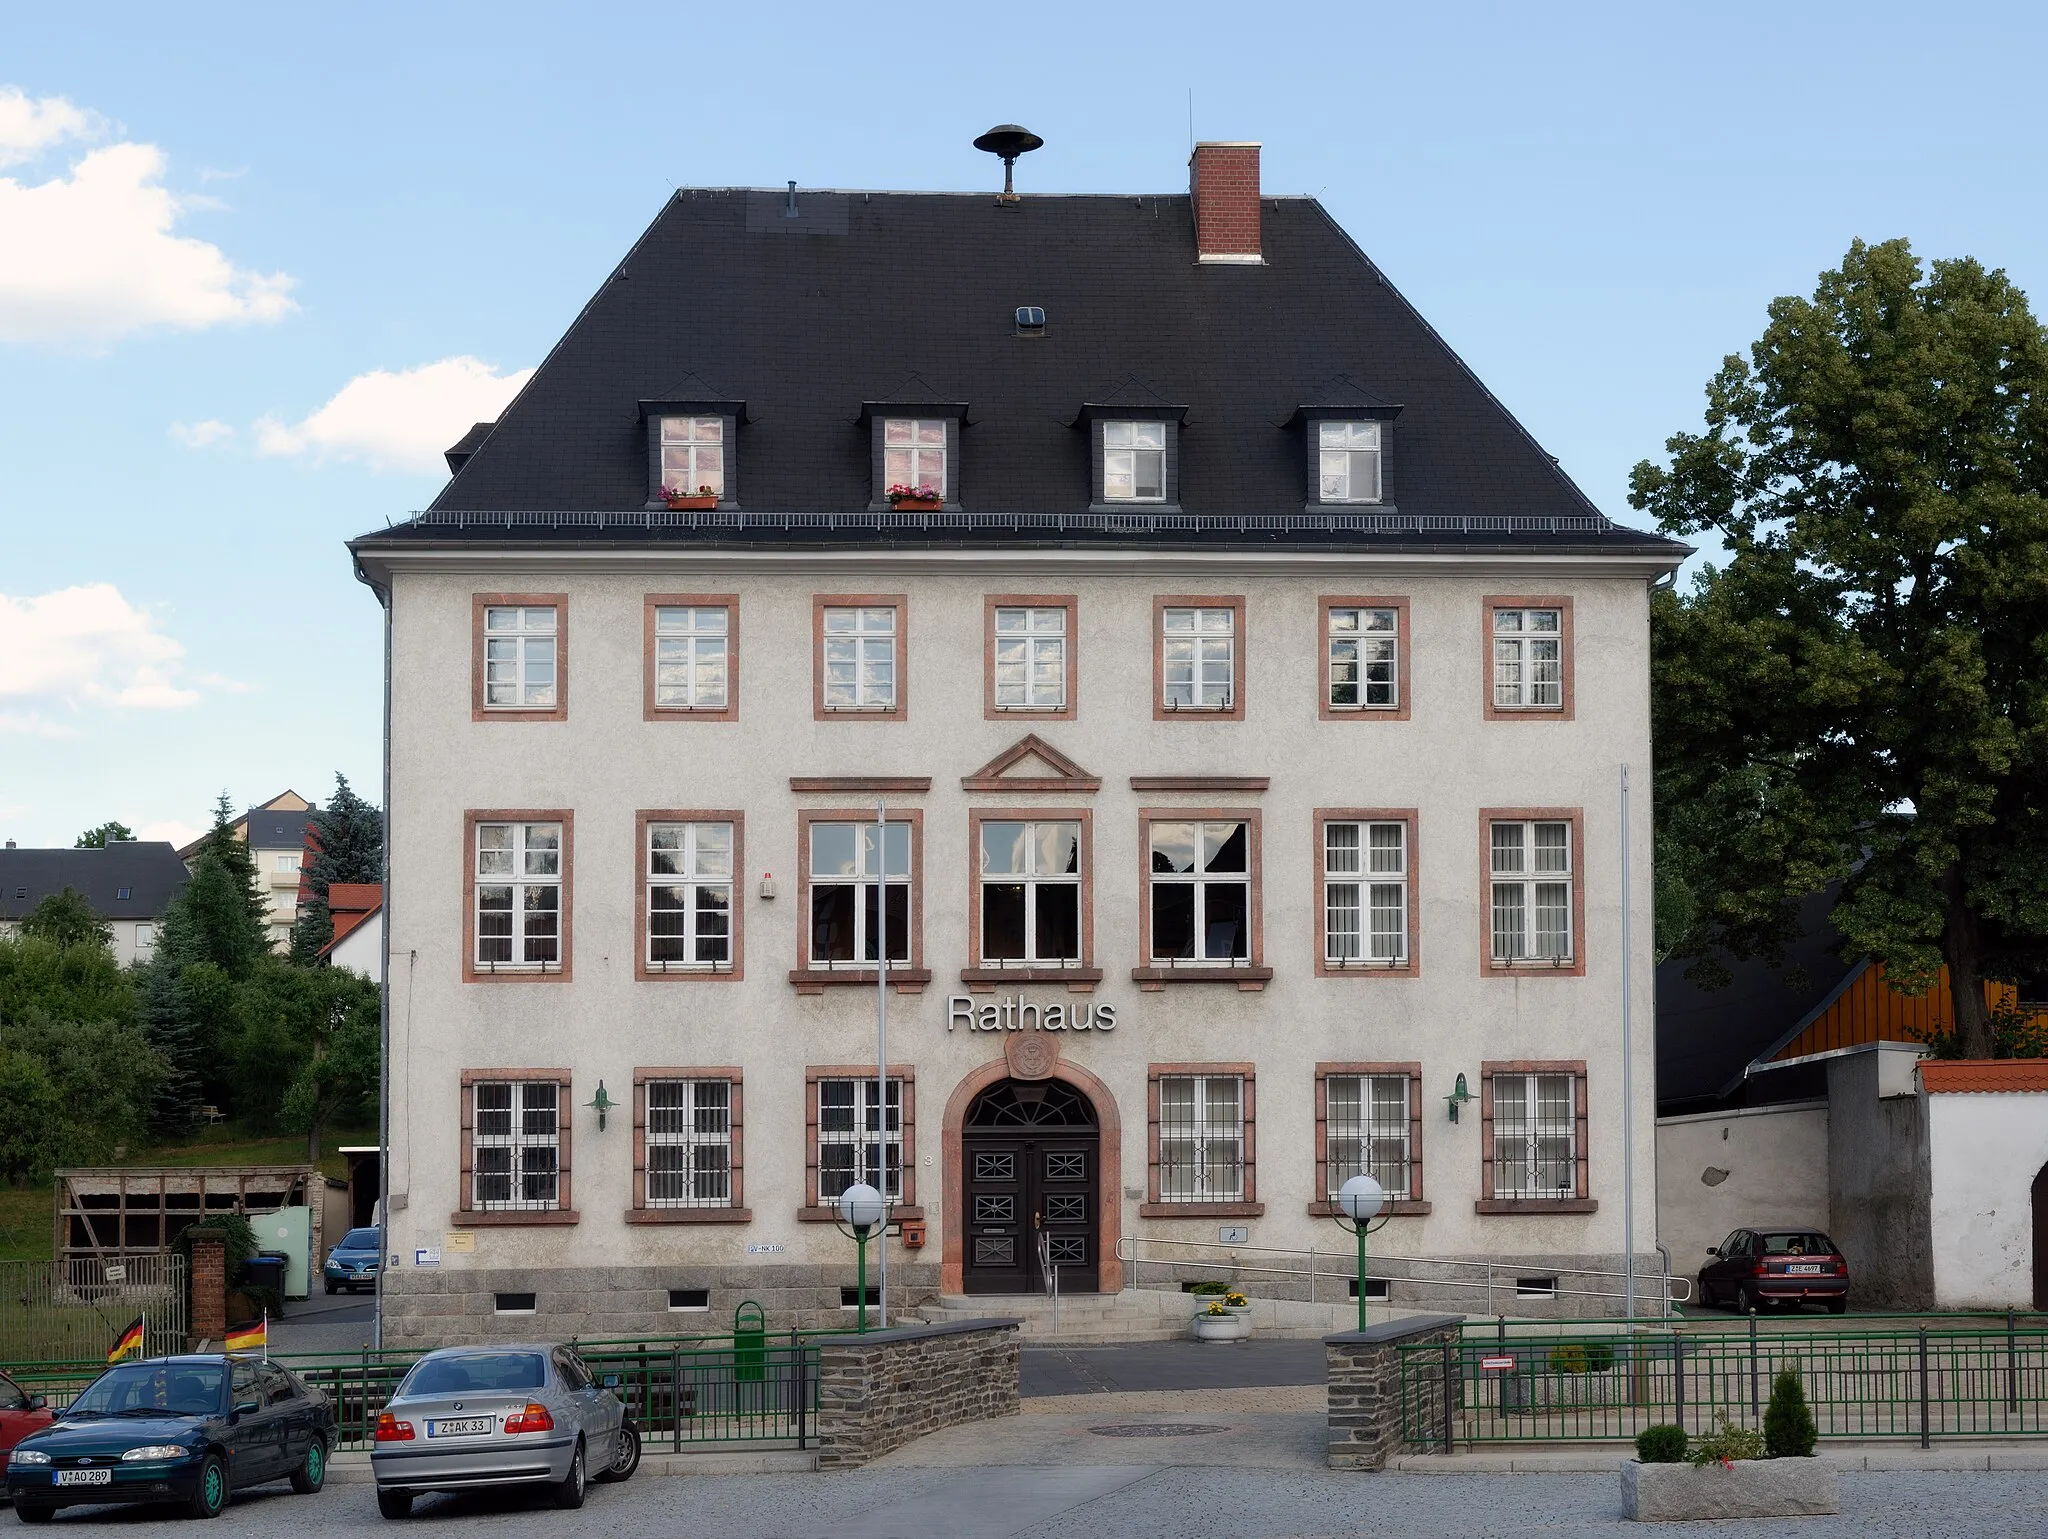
(358, 912)
(276, 835)
(129, 884)
(1244, 693)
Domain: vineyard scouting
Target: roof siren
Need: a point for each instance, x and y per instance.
(1009, 141)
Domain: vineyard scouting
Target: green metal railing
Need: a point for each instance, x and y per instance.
(1492, 1385)
(747, 1387)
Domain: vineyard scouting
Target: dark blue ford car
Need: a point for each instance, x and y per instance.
(188, 1430)
(352, 1264)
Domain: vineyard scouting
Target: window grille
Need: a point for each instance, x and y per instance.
(1364, 657)
(1365, 893)
(1201, 1138)
(1532, 892)
(518, 896)
(1367, 1131)
(1528, 658)
(860, 658)
(1200, 656)
(1535, 1128)
(1031, 893)
(516, 1144)
(856, 1142)
(689, 1143)
(519, 657)
(691, 657)
(689, 895)
(1031, 659)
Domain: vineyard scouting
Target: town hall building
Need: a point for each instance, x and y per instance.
(1123, 616)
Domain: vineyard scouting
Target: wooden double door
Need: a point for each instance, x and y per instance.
(1031, 1181)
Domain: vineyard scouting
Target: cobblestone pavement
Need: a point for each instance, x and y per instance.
(1131, 1501)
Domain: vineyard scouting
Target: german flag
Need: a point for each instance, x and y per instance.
(130, 1342)
(249, 1338)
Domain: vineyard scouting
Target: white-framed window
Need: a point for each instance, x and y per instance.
(518, 896)
(1201, 1138)
(1200, 658)
(1528, 658)
(1365, 893)
(859, 1140)
(1366, 1131)
(1031, 658)
(1532, 891)
(856, 878)
(1535, 1128)
(693, 456)
(145, 936)
(1349, 461)
(689, 896)
(1201, 891)
(1134, 461)
(519, 656)
(860, 657)
(288, 862)
(517, 1147)
(691, 652)
(914, 455)
(1030, 893)
(1364, 657)
(689, 1143)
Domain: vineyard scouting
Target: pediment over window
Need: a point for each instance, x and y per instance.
(1032, 764)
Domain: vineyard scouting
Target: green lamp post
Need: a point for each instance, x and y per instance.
(861, 1209)
(1359, 1204)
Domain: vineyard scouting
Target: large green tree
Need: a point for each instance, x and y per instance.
(1860, 694)
(66, 919)
(347, 845)
(99, 838)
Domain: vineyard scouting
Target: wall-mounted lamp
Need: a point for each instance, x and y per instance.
(1458, 1097)
(600, 1103)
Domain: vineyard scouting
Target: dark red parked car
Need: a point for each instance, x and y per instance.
(20, 1414)
(1756, 1268)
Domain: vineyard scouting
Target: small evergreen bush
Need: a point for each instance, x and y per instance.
(1789, 1432)
(1578, 1357)
(1661, 1445)
(1204, 1289)
(1726, 1443)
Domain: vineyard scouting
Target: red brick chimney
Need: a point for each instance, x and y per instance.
(1224, 181)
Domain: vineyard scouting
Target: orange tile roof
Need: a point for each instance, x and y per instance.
(342, 897)
(1984, 1076)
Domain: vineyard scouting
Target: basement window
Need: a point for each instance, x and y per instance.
(1535, 1287)
(849, 1298)
(681, 1300)
(512, 1303)
(1375, 1289)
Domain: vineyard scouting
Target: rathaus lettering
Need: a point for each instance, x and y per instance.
(1017, 1013)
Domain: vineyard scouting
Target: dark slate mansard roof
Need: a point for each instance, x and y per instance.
(872, 297)
(148, 868)
(270, 829)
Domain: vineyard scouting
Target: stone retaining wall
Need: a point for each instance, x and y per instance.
(1365, 1389)
(877, 1392)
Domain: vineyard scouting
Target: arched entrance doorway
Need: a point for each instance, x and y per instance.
(1030, 1154)
(2041, 1239)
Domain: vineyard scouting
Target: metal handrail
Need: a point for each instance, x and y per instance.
(1046, 1268)
(1127, 1247)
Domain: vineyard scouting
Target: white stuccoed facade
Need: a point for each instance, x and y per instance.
(602, 1275)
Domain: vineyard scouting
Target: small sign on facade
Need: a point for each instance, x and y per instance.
(1496, 1364)
(1234, 1234)
(766, 1248)
(459, 1242)
(427, 1255)
(116, 1272)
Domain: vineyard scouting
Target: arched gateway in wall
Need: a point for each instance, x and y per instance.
(1033, 1170)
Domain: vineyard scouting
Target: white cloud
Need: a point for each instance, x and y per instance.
(179, 834)
(84, 646)
(30, 125)
(400, 421)
(91, 256)
(201, 435)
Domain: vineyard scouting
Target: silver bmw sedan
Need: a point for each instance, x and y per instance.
(500, 1415)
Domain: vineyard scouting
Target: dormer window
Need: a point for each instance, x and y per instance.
(1348, 461)
(914, 459)
(692, 457)
(1134, 461)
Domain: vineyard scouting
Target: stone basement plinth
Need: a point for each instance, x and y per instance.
(1365, 1389)
(878, 1391)
(1748, 1488)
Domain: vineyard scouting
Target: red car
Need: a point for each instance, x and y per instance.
(1755, 1268)
(20, 1414)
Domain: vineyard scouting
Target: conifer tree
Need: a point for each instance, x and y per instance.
(347, 841)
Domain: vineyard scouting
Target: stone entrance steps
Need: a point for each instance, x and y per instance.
(1136, 1314)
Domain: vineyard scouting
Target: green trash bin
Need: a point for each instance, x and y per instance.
(749, 1343)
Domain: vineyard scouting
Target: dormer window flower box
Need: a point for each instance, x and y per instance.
(704, 497)
(916, 499)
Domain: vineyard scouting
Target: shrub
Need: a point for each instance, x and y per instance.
(1789, 1432)
(1661, 1445)
(1726, 1443)
(1206, 1288)
(1586, 1357)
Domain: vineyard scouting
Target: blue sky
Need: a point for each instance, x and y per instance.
(257, 263)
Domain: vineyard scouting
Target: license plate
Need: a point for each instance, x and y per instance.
(1805, 1268)
(461, 1426)
(85, 1477)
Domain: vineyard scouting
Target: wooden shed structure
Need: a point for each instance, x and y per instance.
(108, 1212)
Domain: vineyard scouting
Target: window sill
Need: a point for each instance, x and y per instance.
(492, 1218)
(1153, 979)
(654, 971)
(905, 980)
(985, 980)
(1352, 968)
(1527, 710)
(1537, 965)
(831, 1215)
(1405, 1207)
(1201, 1210)
(510, 974)
(1537, 1205)
(689, 1215)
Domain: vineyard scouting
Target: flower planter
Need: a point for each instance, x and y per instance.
(698, 503)
(1748, 1488)
(1243, 1311)
(916, 505)
(1222, 1327)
